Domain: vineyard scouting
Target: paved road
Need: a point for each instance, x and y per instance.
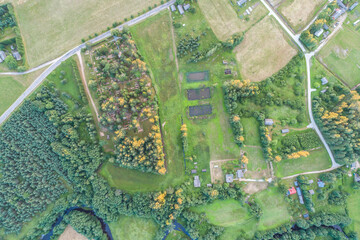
(313, 172)
(55, 63)
(308, 57)
(31, 70)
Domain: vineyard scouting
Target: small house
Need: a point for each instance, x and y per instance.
(353, 6)
(291, 191)
(311, 181)
(326, 27)
(2, 56)
(269, 122)
(296, 183)
(209, 185)
(203, 170)
(225, 62)
(353, 166)
(16, 55)
(301, 199)
(229, 178)
(321, 184)
(326, 34)
(319, 32)
(227, 71)
(193, 171)
(341, 4)
(196, 181)
(241, 2)
(324, 81)
(181, 10)
(298, 191)
(311, 191)
(173, 8)
(338, 12)
(286, 130)
(240, 173)
(186, 7)
(306, 215)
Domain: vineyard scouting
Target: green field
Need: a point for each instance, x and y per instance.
(13, 86)
(129, 228)
(318, 71)
(353, 205)
(50, 28)
(251, 131)
(317, 160)
(256, 158)
(154, 41)
(342, 55)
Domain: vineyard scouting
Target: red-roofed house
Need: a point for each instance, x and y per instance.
(291, 191)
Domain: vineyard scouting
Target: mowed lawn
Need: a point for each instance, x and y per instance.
(50, 27)
(11, 87)
(129, 228)
(256, 158)
(342, 55)
(265, 50)
(223, 19)
(353, 204)
(300, 12)
(317, 160)
(251, 130)
(154, 41)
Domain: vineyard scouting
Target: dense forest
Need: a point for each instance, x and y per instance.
(128, 104)
(337, 114)
(6, 19)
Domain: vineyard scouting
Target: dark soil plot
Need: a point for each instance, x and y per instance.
(200, 110)
(197, 76)
(198, 94)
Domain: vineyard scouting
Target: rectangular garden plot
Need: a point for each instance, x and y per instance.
(200, 110)
(197, 76)
(198, 93)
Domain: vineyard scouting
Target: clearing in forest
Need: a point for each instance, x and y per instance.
(300, 12)
(71, 234)
(225, 21)
(51, 27)
(198, 93)
(265, 50)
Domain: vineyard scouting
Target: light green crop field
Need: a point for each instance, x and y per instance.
(50, 27)
(342, 55)
(300, 12)
(251, 130)
(224, 20)
(129, 228)
(13, 86)
(317, 160)
(154, 41)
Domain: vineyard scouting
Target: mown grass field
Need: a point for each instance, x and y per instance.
(256, 158)
(129, 228)
(251, 131)
(300, 12)
(265, 50)
(223, 19)
(154, 42)
(50, 28)
(318, 71)
(353, 205)
(342, 55)
(317, 160)
(13, 86)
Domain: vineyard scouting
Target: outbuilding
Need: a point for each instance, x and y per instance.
(324, 81)
(2, 56)
(193, 171)
(353, 6)
(311, 191)
(291, 191)
(173, 8)
(227, 71)
(269, 122)
(181, 10)
(16, 55)
(240, 173)
(286, 130)
(229, 178)
(186, 7)
(241, 2)
(197, 181)
(319, 32)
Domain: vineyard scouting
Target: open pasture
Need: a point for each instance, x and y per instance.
(300, 12)
(265, 50)
(224, 20)
(50, 27)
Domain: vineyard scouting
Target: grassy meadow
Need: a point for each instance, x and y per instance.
(50, 28)
(299, 13)
(265, 50)
(129, 228)
(342, 55)
(225, 21)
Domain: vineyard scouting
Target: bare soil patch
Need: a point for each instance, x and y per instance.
(299, 12)
(71, 234)
(200, 110)
(254, 187)
(197, 76)
(265, 50)
(198, 93)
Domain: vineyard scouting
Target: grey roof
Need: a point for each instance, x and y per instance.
(181, 10)
(229, 178)
(16, 55)
(306, 215)
(241, 2)
(298, 191)
(323, 91)
(286, 130)
(324, 81)
(209, 185)
(353, 6)
(311, 191)
(319, 32)
(173, 8)
(326, 27)
(240, 173)
(337, 14)
(326, 34)
(269, 122)
(296, 183)
(311, 181)
(196, 181)
(301, 199)
(204, 170)
(341, 4)
(193, 171)
(186, 7)
(321, 184)
(2, 55)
